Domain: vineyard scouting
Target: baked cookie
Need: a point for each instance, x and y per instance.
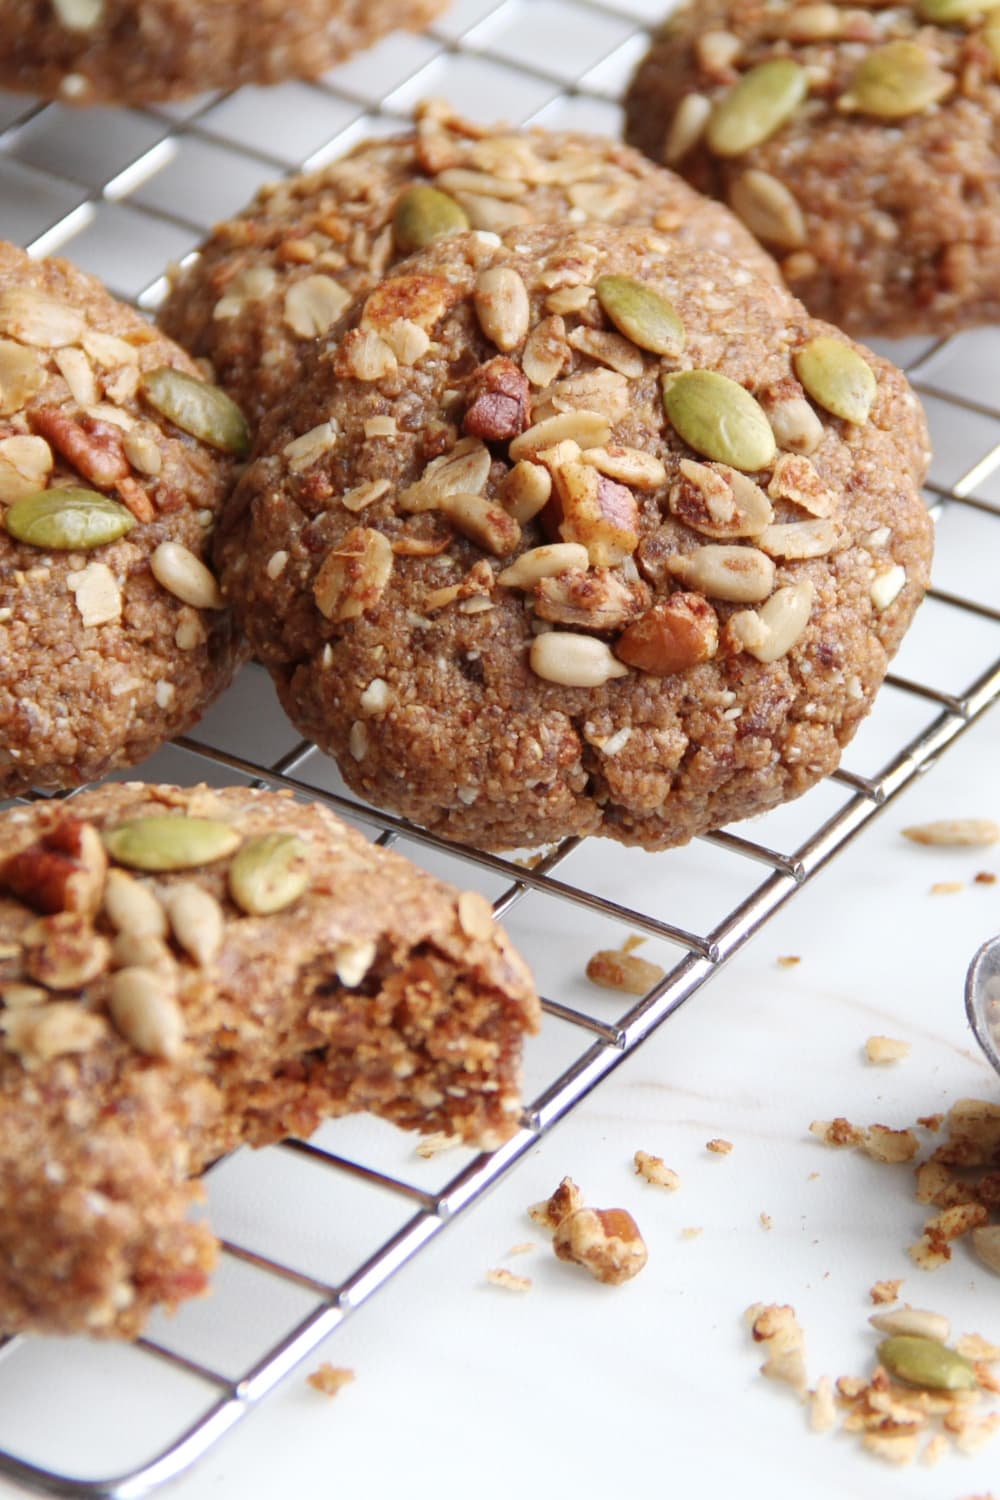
(184, 971)
(859, 143)
(127, 52)
(114, 460)
(578, 534)
(286, 269)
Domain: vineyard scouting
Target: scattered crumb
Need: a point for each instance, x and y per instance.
(633, 941)
(984, 877)
(779, 1330)
(501, 1277)
(956, 833)
(524, 1248)
(619, 969)
(766, 1221)
(605, 1241)
(974, 1346)
(822, 1407)
(655, 1171)
(947, 887)
(788, 960)
(329, 1380)
(566, 1199)
(438, 1141)
(880, 1142)
(885, 1291)
(812, 1177)
(719, 1146)
(886, 1049)
(930, 1122)
(935, 1450)
(692, 1232)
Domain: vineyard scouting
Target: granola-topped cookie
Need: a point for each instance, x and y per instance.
(123, 52)
(575, 534)
(114, 460)
(859, 143)
(186, 970)
(281, 273)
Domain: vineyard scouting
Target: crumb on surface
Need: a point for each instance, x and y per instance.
(655, 1171)
(436, 1142)
(886, 1049)
(329, 1379)
(718, 1146)
(692, 1231)
(885, 1291)
(947, 887)
(550, 1213)
(524, 1248)
(507, 1280)
(766, 1221)
(788, 960)
(984, 877)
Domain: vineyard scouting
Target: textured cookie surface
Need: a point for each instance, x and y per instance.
(859, 143)
(278, 275)
(139, 51)
(182, 971)
(726, 564)
(113, 636)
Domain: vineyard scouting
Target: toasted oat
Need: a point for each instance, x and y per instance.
(655, 1171)
(501, 1277)
(947, 887)
(525, 1247)
(329, 1380)
(719, 1146)
(886, 1049)
(955, 833)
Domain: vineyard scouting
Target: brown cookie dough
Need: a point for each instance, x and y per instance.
(113, 636)
(126, 52)
(729, 581)
(286, 269)
(183, 971)
(864, 155)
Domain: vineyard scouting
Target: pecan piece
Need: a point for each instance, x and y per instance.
(598, 512)
(63, 871)
(599, 600)
(498, 405)
(91, 446)
(675, 634)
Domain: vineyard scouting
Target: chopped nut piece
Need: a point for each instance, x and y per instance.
(501, 1277)
(653, 1169)
(63, 871)
(605, 1241)
(566, 1199)
(622, 971)
(675, 634)
(329, 1380)
(886, 1049)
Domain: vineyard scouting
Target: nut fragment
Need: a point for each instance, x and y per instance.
(955, 833)
(483, 522)
(181, 573)
(420, 299)
(566, 1199)
(25, 465)
(614, 969)
(525, 490)
(146, 1013)
(37, 1033)
(596, 512)
(353, 576)
(64, 870)
(573, 660)
(719, 501)
(797, 540)
(605, 1241)
(269, 873)
(655, 1171)
(675, 634)
(502, 306)
(598, 599)
(464, 469)
(837, 378)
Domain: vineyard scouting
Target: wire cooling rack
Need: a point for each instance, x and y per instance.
(311, 1230)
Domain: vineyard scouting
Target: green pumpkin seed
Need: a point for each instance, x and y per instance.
(198, 408)
(719, 419)
(943, 11)
(423, 214)
(837, 378)
(641, 314)
(926, 1363)
(163, 843)
(68, 520)
(269, 873)
(896, 80)
(757, 106)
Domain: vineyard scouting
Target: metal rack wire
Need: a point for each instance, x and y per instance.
(121, 192)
